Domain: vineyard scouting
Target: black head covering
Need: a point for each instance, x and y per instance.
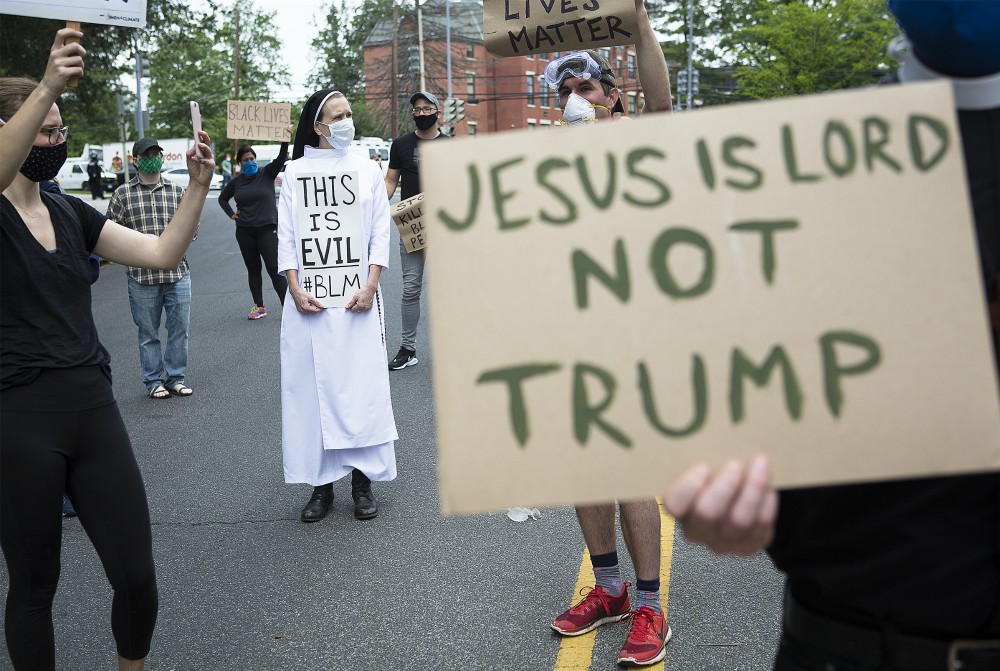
(305, 135)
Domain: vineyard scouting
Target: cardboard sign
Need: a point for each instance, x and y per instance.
(247, 120)
(612, 304)
(329, 236)
(130, 13)
(408, 215)
(524, 27)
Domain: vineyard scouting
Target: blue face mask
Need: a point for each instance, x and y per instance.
(250, 168)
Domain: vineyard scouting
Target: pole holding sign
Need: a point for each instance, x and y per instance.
(795, 277)
(526, 27)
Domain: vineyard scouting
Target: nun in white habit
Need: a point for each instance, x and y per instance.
(336, 412)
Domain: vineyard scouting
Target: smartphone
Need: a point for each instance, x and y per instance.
(196, 125)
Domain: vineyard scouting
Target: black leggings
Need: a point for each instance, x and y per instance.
(87, 454)
(256, 243)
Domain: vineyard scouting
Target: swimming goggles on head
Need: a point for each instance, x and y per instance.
(577, 64)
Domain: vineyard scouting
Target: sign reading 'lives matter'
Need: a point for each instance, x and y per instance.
(795, 277)
(329, 236)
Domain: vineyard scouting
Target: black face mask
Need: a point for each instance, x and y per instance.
(44, 162)
(425, 121)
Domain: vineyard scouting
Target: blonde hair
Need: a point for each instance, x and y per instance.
(13, 92)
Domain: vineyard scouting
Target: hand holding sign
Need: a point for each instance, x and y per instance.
(65, 61)
(731, 511)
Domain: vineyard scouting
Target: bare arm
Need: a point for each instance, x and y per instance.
(731, 511)
(128, 247)
(391, 180)
(653, 78)
(19, 132)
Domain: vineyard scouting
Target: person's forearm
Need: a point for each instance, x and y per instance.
(374, 272)
(390, 186)
(177, 236)
(653, 77)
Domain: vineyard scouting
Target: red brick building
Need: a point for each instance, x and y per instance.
(500, 93)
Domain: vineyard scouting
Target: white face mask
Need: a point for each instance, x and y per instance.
(341, 133)
(579, 111)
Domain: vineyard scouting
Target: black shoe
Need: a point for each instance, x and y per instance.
(406, 357)
(364, 500)
(319, 503)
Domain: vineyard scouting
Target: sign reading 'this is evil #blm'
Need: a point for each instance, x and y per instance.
(329, 236)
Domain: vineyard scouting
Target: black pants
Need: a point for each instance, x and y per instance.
(256, 243)
(87, 454)
(96, 189)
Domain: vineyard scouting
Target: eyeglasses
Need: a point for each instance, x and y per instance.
(55, 133)
(423, 111)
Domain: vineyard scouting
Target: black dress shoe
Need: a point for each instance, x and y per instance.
(364, 500)
(319, 503)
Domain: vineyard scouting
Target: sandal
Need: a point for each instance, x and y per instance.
(181, 389)
(159, 392)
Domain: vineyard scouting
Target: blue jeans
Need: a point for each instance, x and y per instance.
(148, 303)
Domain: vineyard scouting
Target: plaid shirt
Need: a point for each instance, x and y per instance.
(148, 209)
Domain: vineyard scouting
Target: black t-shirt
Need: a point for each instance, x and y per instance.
(255, 195)
(404, 156)
(45, 317)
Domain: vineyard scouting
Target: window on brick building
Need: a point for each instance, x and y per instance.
(531, 124)
(631, 66)
(631, 103)
(472, 128)
(470, 50)
(529, 79)
(543, 93)
(470, 82)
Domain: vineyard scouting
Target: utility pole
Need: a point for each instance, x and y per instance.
(447, 23)
(236, 85)
(420, 45)
(138, 93)
(394, 108)
(690, 75)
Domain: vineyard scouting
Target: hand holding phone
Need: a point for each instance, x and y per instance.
(196, 125)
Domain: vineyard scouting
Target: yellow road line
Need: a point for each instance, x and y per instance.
(576, 652)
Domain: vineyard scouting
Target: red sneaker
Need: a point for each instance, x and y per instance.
(647, 640)
(598, 607)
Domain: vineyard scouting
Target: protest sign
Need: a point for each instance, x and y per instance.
(329, 236)
(525, 27)
(408, 216)
(131, 13)
(795, 277)
(248, 120)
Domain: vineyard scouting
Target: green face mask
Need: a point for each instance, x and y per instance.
(150, 164)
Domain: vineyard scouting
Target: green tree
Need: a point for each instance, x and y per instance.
(193, 59)
(340, 61)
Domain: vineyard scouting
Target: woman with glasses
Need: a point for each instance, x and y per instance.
(256, 220)
(60, 428)
(336, 413)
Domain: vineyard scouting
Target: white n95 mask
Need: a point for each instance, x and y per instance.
(579, 111)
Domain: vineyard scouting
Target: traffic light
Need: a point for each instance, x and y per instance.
(413, 59)
(682, 81)
(454, 111)
(143, 64)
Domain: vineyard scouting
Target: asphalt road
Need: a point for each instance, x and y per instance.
(244, 585)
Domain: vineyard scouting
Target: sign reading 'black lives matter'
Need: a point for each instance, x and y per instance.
(797, 277)
(525, 27)
(329, 236)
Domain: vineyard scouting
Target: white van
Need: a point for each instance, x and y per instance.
(73, 176)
